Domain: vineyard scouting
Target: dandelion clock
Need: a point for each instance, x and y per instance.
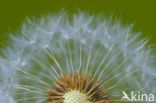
(79, 58)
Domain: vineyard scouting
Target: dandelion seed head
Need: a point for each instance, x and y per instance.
(57, 45)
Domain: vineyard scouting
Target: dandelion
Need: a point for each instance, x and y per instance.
(75, 59)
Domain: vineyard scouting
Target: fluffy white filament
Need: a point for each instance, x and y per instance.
(59, 44)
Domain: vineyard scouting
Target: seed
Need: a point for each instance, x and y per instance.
(78, 89)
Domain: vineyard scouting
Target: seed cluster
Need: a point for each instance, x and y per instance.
(83, 84)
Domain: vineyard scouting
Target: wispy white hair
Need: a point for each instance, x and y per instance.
(5, 97)
(59, 44)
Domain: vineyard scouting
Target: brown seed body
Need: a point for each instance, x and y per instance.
(84, 83)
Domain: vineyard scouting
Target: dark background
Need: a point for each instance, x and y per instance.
(140, 12)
